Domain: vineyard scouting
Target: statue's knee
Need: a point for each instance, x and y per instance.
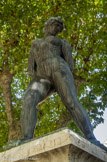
(70, 103)
(72, 106)
(28, 96)
(30, 93)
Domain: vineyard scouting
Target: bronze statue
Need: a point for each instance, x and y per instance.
(51, 65)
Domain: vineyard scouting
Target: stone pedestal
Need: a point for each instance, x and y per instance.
(61, 146)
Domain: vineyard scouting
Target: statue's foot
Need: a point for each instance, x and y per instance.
(97, 143)
(12, 143)
(15, 143)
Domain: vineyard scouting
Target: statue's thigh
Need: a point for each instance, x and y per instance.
(38, 88)
(64, 85)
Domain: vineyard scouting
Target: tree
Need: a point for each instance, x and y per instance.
(22, 21)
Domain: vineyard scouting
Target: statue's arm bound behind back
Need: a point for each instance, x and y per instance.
(67, 54)
(31, 64)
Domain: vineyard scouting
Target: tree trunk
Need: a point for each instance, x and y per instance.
(14, 126)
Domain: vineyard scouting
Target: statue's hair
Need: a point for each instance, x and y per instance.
(53, 20)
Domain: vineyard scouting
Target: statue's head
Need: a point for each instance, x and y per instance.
(53, 26)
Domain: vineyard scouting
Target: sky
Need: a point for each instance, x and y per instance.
(101, 130)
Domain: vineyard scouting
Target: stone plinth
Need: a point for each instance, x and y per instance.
(61, 146)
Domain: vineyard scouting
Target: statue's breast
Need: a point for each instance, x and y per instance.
(36, 45)
(53, 40)
(46, 48)
(46, 42)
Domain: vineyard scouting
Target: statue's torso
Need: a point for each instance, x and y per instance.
(47, 48)
(48, 55)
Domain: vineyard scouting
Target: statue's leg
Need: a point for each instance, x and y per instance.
(36, 92)
(64, 85)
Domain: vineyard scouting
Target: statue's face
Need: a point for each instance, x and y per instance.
(54, 29)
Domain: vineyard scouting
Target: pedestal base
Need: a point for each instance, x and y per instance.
(61, 146)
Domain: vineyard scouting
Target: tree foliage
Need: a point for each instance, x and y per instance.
(22, 21)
